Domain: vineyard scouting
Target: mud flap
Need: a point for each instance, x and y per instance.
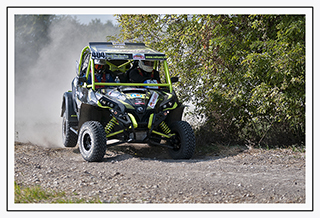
(67, 105)
(175, 115)
(89, 112)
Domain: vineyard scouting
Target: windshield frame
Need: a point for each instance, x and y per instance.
(121, 68)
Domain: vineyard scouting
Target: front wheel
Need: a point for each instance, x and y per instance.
(184, 142)
(92, 141)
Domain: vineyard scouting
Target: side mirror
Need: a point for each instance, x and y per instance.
(174, 79)
(82, 79)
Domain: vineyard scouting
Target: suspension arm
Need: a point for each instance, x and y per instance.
(162, 134)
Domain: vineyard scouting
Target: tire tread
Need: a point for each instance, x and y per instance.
(99, 148)
(188, 141)
(70, 140)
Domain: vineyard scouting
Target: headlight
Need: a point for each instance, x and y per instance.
(105, 102)
(168, 105)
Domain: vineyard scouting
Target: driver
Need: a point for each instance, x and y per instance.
(144, 73)
(101, 73)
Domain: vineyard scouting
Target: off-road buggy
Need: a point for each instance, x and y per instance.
(94, 112)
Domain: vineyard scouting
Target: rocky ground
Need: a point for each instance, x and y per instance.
(142, 174)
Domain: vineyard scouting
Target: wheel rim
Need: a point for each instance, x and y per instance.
(176, 143)
(87, 142)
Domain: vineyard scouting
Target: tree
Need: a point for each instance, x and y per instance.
(246, 73)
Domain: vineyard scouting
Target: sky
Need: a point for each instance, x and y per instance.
(85, 19)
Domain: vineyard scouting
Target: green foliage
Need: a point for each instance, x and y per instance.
(36, 194)
(33, 194)
(246, 73)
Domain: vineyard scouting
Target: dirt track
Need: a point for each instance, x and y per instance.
(142, 174)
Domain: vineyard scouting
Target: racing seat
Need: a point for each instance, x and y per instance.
(134, 65)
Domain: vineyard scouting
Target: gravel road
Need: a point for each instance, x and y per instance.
(142, 174)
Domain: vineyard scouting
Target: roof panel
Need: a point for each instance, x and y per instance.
(135, 51)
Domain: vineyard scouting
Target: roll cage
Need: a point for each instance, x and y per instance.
(118, 57)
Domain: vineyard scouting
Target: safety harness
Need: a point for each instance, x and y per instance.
(141, 74)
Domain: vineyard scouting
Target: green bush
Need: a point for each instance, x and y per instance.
(245, 73)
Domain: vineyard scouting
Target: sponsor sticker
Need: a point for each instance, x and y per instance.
(155, 57)
(116, 56)
(98, 55)
(153, 100)
(136, 95)
(138, 56)
(151, 81)
(118, 43)
(138, 101)
(133, 89)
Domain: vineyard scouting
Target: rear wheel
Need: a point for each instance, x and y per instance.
(184, 142)
(69, 138)
(92, 141)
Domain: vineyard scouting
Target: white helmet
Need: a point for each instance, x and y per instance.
(146, 65)
(100, 61)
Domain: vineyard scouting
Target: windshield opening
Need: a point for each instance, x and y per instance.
(119, 73)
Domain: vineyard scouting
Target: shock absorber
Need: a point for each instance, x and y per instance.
(165, 127)
(110, 125)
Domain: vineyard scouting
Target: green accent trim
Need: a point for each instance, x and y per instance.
(164, 135)
(73, 115)
(111, 65)
(125, 64)
(120, 67)
(150, 121)
(91, 65)
(174, 106)
(133, 120)
(80, 60)
(167, 74)
(87, 74)
(169, 95)
(100, 105)
(115, 133)
(132, 84)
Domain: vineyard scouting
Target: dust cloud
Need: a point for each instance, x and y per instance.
(40, 86)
